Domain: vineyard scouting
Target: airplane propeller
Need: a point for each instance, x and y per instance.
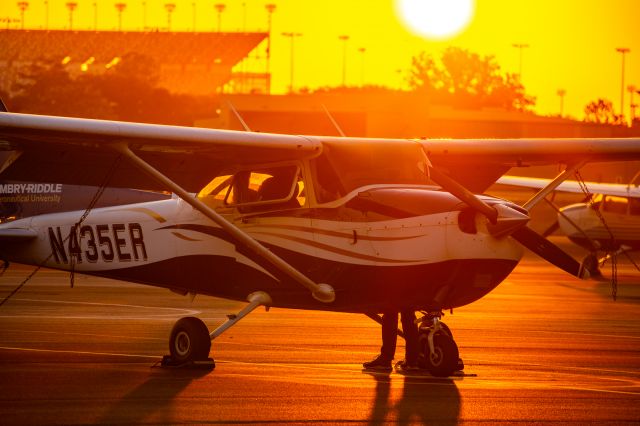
(504, 221)
(550, 252)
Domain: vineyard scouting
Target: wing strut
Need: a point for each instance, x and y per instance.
(321, 292)
(551, 186)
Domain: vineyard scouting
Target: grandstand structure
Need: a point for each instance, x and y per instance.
(197, 63)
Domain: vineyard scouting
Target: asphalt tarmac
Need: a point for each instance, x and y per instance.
(542, 348)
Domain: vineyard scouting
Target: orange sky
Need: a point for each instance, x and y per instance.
(572, 42)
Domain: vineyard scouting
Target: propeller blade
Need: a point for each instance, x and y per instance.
(551, 229)
(550, 252)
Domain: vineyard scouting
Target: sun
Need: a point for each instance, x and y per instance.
(436, 19)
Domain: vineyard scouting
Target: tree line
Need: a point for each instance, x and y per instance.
(130, 91)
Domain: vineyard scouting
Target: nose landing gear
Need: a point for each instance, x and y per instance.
(438, 351)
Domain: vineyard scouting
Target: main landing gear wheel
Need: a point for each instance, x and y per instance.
(592, 264)
(189, 341)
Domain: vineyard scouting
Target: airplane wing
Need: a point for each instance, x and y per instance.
(80, 151)
(478, 163)
(616, 189)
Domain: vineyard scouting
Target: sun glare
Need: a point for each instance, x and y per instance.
(435, 19)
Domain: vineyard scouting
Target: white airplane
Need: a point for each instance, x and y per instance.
(609, 221)
(307, 222)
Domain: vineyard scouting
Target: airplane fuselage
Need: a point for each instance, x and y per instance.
(621, 226)
(380, 248)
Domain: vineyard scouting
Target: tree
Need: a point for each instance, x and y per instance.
(601, 111)
(127, 91)
(467, 79)
(45, 87)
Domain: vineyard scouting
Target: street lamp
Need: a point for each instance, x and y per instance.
(292, 37)
(623, 51)
(144, 15)
(520, 47)
(561, 93)
(270, 9)
(169, 7)
(632, 106)
(193, 9)
(344, 39)
(120, 7)
(220, 8)
(46, 14)
(362, 51)
(95, 15)
(72, 5)
(22, 5)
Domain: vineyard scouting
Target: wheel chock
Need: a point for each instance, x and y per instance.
(205, 364)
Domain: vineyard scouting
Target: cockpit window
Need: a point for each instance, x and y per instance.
(341, 168)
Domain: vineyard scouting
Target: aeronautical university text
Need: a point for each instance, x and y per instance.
(31, 198)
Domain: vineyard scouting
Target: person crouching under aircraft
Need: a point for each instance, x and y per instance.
(389, 338)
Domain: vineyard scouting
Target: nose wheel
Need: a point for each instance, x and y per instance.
(438, 351)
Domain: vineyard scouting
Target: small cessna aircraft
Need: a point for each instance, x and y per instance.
(307, 222)
(608, 221)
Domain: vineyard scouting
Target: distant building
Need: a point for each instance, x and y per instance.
(398, 114)
(198, 63)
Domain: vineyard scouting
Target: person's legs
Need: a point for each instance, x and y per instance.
(410, 330)
(389, 337)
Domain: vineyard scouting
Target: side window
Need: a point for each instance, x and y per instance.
(634, 206)
(217, 190)
(267, 189)
(257, 190)
(615, 204)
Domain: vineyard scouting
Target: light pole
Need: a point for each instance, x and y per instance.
(22, 5)
(120, 7)
(292, 37)
(169, 7)
(362, 51)
(623, 51)
(520, 47)
(71, 6)
(95, 15)
(220, 8)
(632, 106)
(46, 14)
(193, 9)
(344, 39)
(244, 16)
(561, 93)
(270, 9)
(144, 16)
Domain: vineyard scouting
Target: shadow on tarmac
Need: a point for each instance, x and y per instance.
(152, 401)
(424, 400)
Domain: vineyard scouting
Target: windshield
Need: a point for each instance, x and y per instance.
(343, 167)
